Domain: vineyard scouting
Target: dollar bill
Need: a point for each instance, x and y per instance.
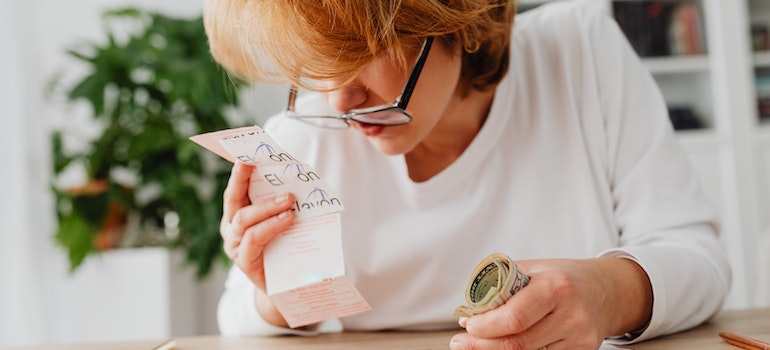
(494, 280)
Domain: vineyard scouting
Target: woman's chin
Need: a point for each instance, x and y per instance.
(389, 148)
(388, 140)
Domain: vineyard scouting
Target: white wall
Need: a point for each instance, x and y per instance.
(40, 302)
(21, 295)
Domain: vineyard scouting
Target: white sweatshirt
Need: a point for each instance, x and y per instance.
(577, 159)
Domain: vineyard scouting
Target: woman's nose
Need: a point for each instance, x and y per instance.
(347, 98)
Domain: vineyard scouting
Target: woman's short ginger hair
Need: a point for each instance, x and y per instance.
(278, 40)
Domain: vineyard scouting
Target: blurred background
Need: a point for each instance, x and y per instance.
(108, 214)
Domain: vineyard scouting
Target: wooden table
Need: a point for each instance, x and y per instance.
(754, 323)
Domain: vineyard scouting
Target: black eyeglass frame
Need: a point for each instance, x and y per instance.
(398, 106)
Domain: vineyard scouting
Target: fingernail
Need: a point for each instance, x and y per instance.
(283, 215)
(462, 321)
(456, 343)
(281, 199)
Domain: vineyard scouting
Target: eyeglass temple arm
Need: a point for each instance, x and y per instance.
(292, 98)
(406, 94)
(403, 100)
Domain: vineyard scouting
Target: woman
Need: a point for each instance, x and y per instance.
(547, 141)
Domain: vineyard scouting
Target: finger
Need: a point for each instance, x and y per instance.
(232, 232)
(235, 197)
(229, 233)
(468, 342)
(528, 306)
(548, 332)
(236, 193)
(259, 235)
(544, 333)
(229, 238)
(250, 252)
(252, 214)
(557, 331)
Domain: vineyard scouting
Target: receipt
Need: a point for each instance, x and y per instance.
(304, 266)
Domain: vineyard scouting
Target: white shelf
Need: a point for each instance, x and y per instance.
(762, 135)
(762, 59)
(677, 64)
(699, 141)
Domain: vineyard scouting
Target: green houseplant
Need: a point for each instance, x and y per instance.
(149, 93)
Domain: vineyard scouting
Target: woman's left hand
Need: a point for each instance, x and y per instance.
(568, 304)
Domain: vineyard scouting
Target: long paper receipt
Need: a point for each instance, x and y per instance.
(304, 267)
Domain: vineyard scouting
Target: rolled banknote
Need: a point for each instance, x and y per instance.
(492, 283)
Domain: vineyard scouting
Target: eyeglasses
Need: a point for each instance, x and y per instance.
(389, 114)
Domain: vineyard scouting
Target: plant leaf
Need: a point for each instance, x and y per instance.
(76, 235)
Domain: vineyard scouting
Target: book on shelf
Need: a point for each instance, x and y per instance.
(684, 118)
(661, 28)
(760, 37)
(762, 81)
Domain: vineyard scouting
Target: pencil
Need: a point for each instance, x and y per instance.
(744, 342)
(166, 345)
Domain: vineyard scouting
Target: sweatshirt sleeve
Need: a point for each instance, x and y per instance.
(666, 223)
(237, 313)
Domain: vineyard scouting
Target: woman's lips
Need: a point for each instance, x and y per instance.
(370, 130)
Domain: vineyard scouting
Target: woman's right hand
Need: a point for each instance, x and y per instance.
(248, 227)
